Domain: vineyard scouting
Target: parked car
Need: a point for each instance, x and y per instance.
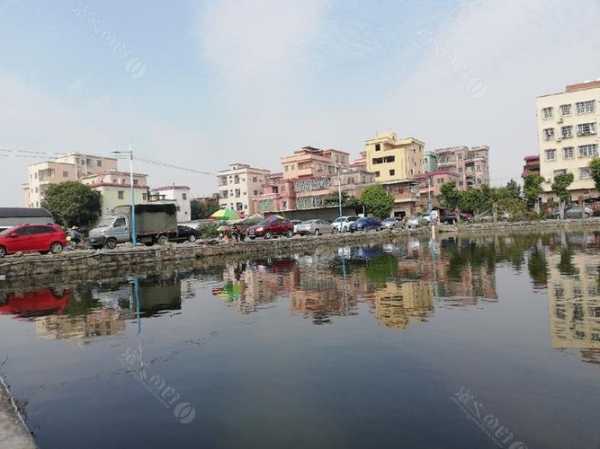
(451, 217)
(32, 238)
(296, 223)
(271, 227)
(418, 220)
(342, 224)
(574, 212)
(365, 224)
(390, 223)
(185, 234)
(315, 227)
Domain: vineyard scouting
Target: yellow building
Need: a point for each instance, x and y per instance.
(568, 136)
(115, 189)
(392, 159)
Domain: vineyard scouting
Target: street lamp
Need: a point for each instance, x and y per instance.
(132, 221)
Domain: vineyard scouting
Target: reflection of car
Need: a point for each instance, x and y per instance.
(270, 228)
(390, 223)
(366, 224)
(45, 301)
(342, 224)
(315, 227)
(32, 238)
(185, 234)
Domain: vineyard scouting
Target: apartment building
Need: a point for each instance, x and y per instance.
(471, 164)
(239, 187)
(430, 185)
(531, 165)
(70, 167)
(568, 136)
(180, 195)
(392, 159)
(115, 188)
(311, 162)
(277, 195)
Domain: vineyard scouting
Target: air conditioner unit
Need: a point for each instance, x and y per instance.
(559, 139)
(560, 120)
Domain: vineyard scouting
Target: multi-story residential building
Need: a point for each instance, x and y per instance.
(277, 195)
(568, 136)
(531, 165)
(430, 185)
(70, 167)
(115, 188)
(310, 162)
(471, 164)
(392, 159)
(430, 162)
(180, 195)
(240, 186)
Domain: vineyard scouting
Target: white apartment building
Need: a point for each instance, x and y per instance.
(239, 186)
(568, 136)
(115, 188)
(180, 195)
(70, 167)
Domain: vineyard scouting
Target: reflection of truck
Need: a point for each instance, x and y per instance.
(154, 223)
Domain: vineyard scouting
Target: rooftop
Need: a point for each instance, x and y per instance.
(586, 85)
(173, 187)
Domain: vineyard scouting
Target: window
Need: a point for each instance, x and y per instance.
(119, 222)
(377, 146)
(586, 129)
(88, 161)
(588, 150)
(255, 179)
(98, 163)
(286, 168)
(184, 196)
(377, 174)
(392, 172)
(566, 132)
(65, 174)
(549, 133)
(547, 113)
(256, 193)
(383, 160)
(565, 109)
(120, 194)
(585, 107)
(237, 193)
(568, 153)
(585, 173)
(562, 171)
(144, 196)
(135, 182)
(550, 155)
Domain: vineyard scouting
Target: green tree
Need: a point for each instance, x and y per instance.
(595, 172)
(473, 200)
(377, 201)
(73, 204)
(513, 189)
(532, 187)
(201, 209)
(449, 196)
(560, 187)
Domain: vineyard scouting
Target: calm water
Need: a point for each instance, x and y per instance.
(446, 344)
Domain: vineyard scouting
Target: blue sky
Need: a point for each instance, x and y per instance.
(202, 84)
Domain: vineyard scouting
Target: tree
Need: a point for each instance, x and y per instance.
(513, 189)
(532, 187)
(73, 204)
(473, 200)
(449, 196)
(560, 187)
(203, 209)
(595, 172)
(377, 201)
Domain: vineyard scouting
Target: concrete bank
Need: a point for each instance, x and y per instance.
(14, 433)
(89, 264)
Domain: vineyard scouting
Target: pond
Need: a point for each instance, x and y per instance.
(452, 343)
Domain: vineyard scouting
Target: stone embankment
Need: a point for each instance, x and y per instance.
(14, 434)
(89, 264)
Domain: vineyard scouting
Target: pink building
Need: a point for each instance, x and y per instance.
(277, 195)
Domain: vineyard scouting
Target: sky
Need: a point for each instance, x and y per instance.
(201, 84)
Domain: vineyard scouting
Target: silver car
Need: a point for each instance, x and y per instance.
(342, 224)
(315, 227)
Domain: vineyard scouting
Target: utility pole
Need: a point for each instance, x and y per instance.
(428, 193)
(132, 223)
(339, 191)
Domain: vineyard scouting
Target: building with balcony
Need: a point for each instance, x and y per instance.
(470, 164)
(180, 195)
(430, 185)
(568, 136)
(531, 165)
(239, 187)
(115, 188)
(277, 195)
(310, 162)
(406, 197)
(430, 162)
(392, 159)
(70, 167)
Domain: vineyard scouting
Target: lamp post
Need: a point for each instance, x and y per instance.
(132, 221)
(339, 191)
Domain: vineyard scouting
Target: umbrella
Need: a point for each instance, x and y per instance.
(225, 214)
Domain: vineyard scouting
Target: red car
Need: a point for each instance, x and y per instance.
(32, 238)
(271, 227)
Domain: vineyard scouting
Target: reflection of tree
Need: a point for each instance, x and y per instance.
(82, 302)
(565, 265)
(538, 267)
(382, 268)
